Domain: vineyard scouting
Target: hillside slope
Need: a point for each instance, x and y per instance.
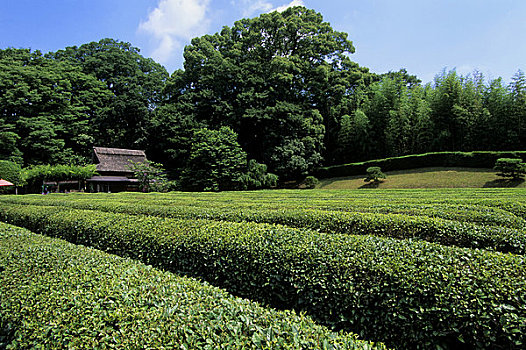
(427, 178)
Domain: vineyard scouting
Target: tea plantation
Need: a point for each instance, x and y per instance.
(422, 269)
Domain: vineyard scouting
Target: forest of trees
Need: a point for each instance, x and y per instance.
(282, 87)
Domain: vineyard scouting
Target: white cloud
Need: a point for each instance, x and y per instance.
(250, 7)
(291, 4)
(173, 22)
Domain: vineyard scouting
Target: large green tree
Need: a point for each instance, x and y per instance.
(382, 99)
(47, 108)
(216, 161)
(276, 80)
(518, 108)
(409, 128)
(353, 137)
(136, 83)
(500, 126)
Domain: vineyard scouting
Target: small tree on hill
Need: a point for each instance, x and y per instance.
(311, 182)
(510, 167)
(374, 173)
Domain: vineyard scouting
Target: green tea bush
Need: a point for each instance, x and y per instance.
(408, 294)
(502, 207)
(57, 295)
(390, 224)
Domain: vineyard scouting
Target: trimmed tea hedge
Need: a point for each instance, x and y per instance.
(511, 200)
(57, 295)
(408, 294)
(499, 203)
(447, 232)
(480, 159)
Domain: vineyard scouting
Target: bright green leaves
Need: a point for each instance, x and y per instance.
(409, 293)
(151, 176)
(46, 107)
(11, 172)
(134, 82)
(216, 161)
(268, 79)
(86, 299)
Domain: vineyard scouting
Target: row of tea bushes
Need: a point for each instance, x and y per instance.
(478, 214)
(497, 203)
(57, 295)
(447, 232)
(500, 207)
(407, 294)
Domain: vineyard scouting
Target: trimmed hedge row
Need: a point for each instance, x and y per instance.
(479, 214)
(57, 295)
(480, 159)
(447, 232)
(510, 200)
(408, 294)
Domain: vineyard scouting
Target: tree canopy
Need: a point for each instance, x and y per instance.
(216, 161)
(47, 108)
(272, 80)
(135, 83)
(278, 91)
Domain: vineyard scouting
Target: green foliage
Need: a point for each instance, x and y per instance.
(35, 175)
(216, 161)
(482, 159)
(171, 133)
(510, 167)
(151, 176)
(257, 177)
(47, 109)
(283, 82)
(374, 173)
(310, 181)
(8, 143)
(408, 293)
(492, 223)
(353, 136)
(517, 110)
(135, 84)
(86, 299)
(11, 172)
(274, 80)
(409, 129)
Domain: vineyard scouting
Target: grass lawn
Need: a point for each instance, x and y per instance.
(427, 178)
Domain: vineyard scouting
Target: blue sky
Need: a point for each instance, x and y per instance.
(423, 36)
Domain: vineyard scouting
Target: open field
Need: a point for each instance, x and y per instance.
(427, 178)
(410, 268)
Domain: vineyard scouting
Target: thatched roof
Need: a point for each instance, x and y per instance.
(116, 159)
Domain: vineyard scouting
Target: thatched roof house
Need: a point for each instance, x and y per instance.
(113, 166)
(116, 160)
